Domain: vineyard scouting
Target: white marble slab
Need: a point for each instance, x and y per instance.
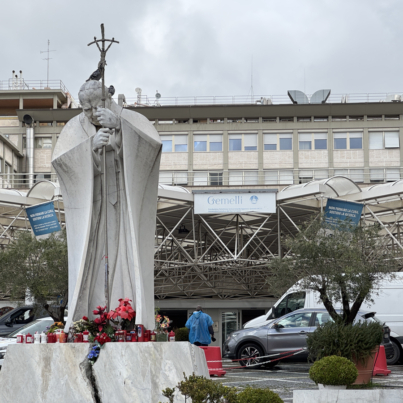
(124, 372)
(44, 373)
(138, 372)
(348, 396)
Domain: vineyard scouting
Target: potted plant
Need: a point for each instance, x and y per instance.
(333, 372)
(357, 342)
(161, 326)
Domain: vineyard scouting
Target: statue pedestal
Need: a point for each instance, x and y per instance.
(124, 372)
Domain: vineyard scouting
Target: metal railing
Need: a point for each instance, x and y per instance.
(145, 100)
(21, 84)
(20, 181)
(269, 177)
(274, 177)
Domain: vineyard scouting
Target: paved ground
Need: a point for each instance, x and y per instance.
(284, 378)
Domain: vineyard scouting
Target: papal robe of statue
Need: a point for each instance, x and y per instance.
(132, 159)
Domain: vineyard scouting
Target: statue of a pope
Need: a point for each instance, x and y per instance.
(133, 150)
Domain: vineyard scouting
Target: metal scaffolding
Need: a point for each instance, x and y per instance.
(225, 256)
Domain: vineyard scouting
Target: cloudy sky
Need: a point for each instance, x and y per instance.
(196, 48)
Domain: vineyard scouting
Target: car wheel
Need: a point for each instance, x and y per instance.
(253, 352)
(396, 354)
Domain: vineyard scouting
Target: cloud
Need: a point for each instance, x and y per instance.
(188, 48)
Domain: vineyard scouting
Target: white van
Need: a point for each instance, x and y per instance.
(388, 305)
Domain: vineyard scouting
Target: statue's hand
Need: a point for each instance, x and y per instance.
(101, 138)
(107, 118)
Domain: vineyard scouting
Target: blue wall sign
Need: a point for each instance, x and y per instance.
(43, 219)
(339, 210)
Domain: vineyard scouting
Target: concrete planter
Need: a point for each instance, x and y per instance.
(348, 396)
(332, 387)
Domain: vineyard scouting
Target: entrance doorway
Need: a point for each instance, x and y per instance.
(229, 323)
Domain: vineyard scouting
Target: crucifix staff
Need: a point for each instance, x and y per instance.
(101, 68)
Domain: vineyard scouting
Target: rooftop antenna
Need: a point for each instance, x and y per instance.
(138, 90)
(47, 58)
(101, 68)
(251, 80)
(157, 97)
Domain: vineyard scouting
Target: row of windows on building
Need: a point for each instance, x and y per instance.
(39, 142)
(353, 140)
(275, 177)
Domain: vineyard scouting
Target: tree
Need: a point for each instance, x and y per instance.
(39, 267)
(344, 264)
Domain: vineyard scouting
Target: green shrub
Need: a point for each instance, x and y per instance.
(354, 342)
(252, 395)
(182, 334)
(333, 370)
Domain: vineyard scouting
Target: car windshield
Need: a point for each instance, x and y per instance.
(35, 326)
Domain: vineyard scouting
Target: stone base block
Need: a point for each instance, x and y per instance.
(124, 372)
(348, 396)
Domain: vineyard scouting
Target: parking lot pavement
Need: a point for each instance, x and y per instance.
(286, 377)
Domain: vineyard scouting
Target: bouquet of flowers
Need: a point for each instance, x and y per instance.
(162, 323)
(54, 327)
(123, 316)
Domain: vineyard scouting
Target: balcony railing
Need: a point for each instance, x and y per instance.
(145, 100)
(21, 84)
(235, 178)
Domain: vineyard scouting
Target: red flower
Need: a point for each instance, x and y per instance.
(85, 318)
(102, 339)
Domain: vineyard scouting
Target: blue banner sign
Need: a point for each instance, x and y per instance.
(43, 219)
(339, 210)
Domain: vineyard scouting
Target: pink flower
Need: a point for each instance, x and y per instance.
(85, 318)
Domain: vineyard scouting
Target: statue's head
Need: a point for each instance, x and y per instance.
(90, 96)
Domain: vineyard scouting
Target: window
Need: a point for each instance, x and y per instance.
(290, 303)
(215, 142)
(1, 164)
(242, 142)
(305, 176)
(243, 177)
(235, 142)
(166, 144)
(313, 141)
(382, 140)
(235, 178)
(271, 141)
(207, 142)
(285, 141)
(207, 178)
(320, 141)
(376, 175)
(347, 141)
(340, 141)
(284, 177)
(177, 143)
(355, 140)
(384, 175)
(215, 178)
(200, 142)
(250, 142)
(298, 320)
(200, 179)
(322, 318)
(173, 178)
(356, 175)
(305, 141)
(392, 174)
(43, 142)
(181, 143)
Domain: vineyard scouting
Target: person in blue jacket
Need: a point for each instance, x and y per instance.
(200, 327)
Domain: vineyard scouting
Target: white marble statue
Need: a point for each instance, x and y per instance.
(133, 155)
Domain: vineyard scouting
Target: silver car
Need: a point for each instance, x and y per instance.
(283, 337)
